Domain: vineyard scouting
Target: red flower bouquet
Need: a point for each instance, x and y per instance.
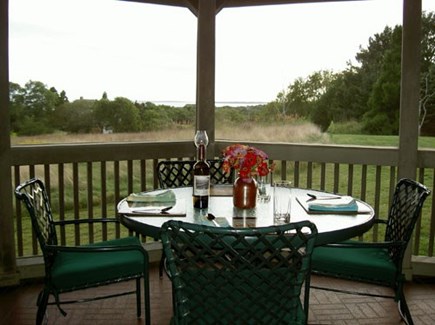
(249, 161)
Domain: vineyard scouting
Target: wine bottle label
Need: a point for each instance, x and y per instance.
(201, 185)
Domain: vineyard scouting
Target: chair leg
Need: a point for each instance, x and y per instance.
(138, 299)
(402, 306)
(42, 302)
(161, 265)
(404, 311)
(147, 304)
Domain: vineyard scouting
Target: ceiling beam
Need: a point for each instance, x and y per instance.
(252, 3)
(192, 5)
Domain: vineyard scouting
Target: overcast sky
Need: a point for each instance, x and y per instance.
(148, 52)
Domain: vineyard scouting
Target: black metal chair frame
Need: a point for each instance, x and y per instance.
(405, 209)
(179, 173)
(35, 198)
(239, 276)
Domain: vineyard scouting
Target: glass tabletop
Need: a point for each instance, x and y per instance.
(332, 227)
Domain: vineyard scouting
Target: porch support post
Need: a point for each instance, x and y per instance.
(206, 60)
(409, 99)
(8, 269)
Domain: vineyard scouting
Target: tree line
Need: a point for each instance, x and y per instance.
(36, 109)
(367, 92)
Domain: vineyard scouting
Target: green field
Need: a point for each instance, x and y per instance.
(377, 140)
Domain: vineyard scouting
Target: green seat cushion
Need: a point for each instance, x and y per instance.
(77, 270)
(367, 264)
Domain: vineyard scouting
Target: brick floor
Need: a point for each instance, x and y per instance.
(17, 304)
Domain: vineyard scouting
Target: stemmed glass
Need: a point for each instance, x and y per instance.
(201, 137)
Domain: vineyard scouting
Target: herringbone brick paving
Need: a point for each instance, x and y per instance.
(17, 305)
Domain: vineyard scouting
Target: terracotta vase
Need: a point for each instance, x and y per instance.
(245, 193)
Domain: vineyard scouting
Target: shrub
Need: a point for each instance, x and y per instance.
(347, 127)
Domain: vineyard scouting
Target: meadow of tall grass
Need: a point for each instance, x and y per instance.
(295, 132)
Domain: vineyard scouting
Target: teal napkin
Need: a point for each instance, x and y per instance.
(159, 198)
(344, 204)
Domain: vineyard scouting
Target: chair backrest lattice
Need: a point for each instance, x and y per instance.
(239, 276)
(179, 173)
(35, 198)
(408, 199)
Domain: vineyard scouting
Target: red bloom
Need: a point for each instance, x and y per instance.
(250, 161)
(263, 169)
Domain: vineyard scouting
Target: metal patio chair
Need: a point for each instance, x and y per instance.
(379, 262)
(239, 276)
(179, 173)
(71, 268)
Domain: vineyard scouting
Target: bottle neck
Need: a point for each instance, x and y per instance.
(201, 152)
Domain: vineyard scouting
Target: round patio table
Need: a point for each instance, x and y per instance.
(332, 227)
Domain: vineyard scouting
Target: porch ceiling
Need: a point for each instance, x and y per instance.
(193, 5)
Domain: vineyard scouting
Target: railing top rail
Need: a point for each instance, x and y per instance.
(67, 153)
(84, 152)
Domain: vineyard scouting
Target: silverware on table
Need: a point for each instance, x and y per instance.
(322, 197)
(154, 210)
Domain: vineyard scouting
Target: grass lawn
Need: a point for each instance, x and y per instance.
(377, 140)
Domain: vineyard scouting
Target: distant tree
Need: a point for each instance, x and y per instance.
(282, 102)
(370, 90)
(341, 101)
(427, 103)
(427, 97)
(229, 115)
(76, 117)
(16, 99)
(184, 115)
(325, 96)
(120, 115)
(61, 98)
(298, 94)
(384, 101)
(32, 107)
(303, 94)
(154, 117)
(38, 100)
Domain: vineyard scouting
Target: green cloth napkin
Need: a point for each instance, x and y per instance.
(345, 204)
(160, 198)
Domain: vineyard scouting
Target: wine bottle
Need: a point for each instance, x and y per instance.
(201, 173)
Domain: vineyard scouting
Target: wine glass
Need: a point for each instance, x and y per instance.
(201, 137)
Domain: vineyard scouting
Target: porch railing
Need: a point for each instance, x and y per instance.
(88, 180)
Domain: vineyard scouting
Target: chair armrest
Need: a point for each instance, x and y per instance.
(382, 221)
(81, 221)
(378, 221)
(362, 245)
(94, 249)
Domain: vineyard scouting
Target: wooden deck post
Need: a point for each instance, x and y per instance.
(8, 270)
(409, 99)
(206, 60)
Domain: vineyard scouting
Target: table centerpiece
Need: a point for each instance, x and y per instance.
(249, 162)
